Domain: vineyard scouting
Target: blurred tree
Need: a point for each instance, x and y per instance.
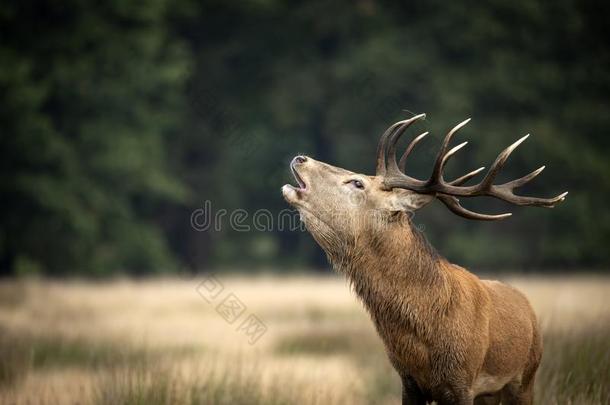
(273, 78)
(90, 95)
(119, 120)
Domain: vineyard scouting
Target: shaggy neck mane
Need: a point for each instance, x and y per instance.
(398, 276)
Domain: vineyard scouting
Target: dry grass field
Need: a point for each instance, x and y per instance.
(162, 342)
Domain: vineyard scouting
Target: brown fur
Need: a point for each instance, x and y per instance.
(450, 336)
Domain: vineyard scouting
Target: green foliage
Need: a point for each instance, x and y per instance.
(90, 95)
(293, 79)
(118, 120)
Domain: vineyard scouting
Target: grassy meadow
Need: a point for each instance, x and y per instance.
(161, 342)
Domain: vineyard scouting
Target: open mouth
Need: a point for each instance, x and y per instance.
(300, 181)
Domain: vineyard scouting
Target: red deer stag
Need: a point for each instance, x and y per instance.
(452, 337)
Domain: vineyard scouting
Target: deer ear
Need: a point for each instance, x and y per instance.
(406, 200)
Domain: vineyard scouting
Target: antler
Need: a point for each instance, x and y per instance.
(447, 192)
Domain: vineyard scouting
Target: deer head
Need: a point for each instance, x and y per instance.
(337, 204)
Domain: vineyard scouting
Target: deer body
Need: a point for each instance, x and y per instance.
(452, 338)
(442, 327)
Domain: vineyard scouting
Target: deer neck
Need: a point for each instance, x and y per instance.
(397, 274)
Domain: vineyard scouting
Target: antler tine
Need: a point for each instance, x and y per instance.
(403, 159)
(392, 166)
(450, 153)
(525, 179)
(454, 205)
(442, 156)
(461, 180)
(499, 163)
(382, 146)
(506, 194)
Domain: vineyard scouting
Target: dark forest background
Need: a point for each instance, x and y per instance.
(119, 119)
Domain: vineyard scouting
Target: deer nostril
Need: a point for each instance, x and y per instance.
(300, 159)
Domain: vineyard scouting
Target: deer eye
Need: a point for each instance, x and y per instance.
(357, 184)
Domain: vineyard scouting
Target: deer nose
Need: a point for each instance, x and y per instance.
(299, 159)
